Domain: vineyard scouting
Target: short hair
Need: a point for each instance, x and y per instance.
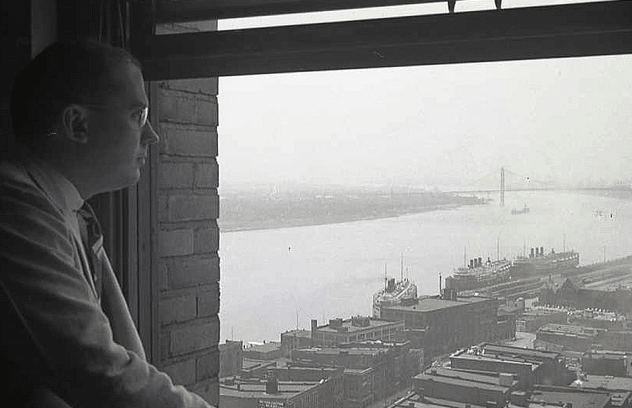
(64, 73)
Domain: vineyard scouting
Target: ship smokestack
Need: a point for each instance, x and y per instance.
(439, 283)
(531, 256)
(480, 261)
(541, 250)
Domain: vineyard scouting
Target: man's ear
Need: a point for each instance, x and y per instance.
(75, 123)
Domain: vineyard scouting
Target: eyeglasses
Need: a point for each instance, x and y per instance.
(140, 113)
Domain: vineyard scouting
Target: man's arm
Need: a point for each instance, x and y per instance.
(58, 316)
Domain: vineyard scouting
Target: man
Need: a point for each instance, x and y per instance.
(79, 111)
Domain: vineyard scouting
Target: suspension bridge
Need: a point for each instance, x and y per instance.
(502, 180)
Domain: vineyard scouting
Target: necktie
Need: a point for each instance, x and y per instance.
(93, 243)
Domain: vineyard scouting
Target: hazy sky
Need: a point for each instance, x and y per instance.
(563, 119)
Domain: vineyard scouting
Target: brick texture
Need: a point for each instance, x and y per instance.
(188, 236)
(188, 272)
(207, 175)
(193, 207)
(178, 309)
(193, 338)
(189, 141)
(206, 239)
(176, 242)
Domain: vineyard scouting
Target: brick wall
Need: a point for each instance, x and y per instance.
(188, 232)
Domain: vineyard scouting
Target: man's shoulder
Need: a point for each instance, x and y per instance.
(19, 189)
(14, 176)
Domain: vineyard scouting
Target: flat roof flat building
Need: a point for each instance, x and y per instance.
(356, 329)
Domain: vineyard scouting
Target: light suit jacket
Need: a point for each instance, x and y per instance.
(63, 345)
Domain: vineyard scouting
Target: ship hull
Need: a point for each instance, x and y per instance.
(543, 265)
(479, 277)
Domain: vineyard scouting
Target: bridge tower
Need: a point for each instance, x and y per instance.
(502, 186)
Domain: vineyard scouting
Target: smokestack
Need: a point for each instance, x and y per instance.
(531, 256)
(439, 284)
(314, 324)
(541, 250)
(480, 261)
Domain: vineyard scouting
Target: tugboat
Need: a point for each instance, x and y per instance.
(524, 210)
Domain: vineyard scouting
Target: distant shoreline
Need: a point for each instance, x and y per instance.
(295, 223)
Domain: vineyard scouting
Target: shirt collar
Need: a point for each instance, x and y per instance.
(61, 190)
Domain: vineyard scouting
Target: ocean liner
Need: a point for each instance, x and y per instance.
(478, 274)
(394, 293)
(538, 263)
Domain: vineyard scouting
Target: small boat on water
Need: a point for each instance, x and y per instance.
(524, 210)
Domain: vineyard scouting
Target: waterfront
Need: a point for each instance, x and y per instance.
(277, 279)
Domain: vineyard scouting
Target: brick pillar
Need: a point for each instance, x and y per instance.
(188, 234)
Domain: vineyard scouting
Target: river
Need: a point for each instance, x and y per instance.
(276, 280)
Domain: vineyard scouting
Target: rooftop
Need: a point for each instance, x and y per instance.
(358, 351)
(298, 333)
(252, 389)
(579, 398)
(264, 348)
(519, 351)
(432, 303)
(415, 401)
(607, 382)
(568, 329)
(350, 328)
(463, 375)
(462, 382)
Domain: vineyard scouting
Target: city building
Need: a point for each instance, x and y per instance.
(577, 294)
(230, 358)
(561, 397)
(607, 362)
(294, 339)
(272, 393)
(619, 389)
(356, 329)
(263, 351)
(372, 370)
(531, 320)
(579, 338)
(558, 337)
(527, 365)
(256, 368)
(464, 386)
(443, 324)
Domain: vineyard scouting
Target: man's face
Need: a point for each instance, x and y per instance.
(118, 143)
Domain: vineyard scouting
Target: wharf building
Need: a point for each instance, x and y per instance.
(607, 362)
(576, 294)
(442, 324)
(531, 320)
(561, 337)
